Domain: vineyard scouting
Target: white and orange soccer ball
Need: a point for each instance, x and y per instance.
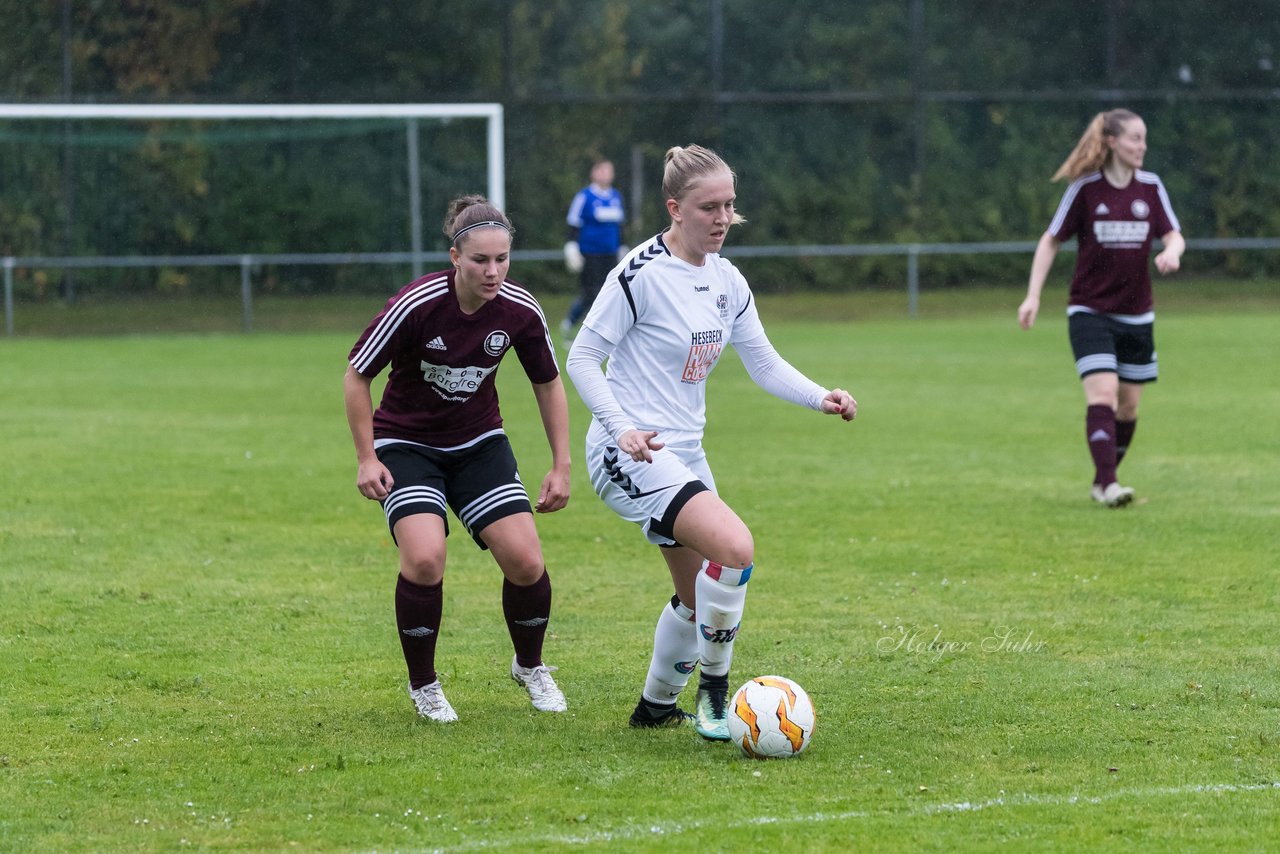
(771, 717)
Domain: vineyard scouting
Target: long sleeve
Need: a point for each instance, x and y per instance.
(776, 375)
(589, 352)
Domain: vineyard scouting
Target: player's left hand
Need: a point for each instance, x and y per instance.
(840, 402)
(1168, 262)
(554, 494)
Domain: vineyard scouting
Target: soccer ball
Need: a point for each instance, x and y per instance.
(771, 717)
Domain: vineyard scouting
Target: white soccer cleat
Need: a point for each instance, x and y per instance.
(1112, 495)
(431, 703)
(546, 695)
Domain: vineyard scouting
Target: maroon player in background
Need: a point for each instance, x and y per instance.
(436, 439)
(1115, 210)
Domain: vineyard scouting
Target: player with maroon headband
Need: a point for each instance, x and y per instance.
(1115, 210)
(437, 439)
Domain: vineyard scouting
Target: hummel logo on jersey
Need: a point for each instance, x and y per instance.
(1099, 436)
(419, 632)
(1101, 210)
(534, 623)
(436, 343)
(643, 257)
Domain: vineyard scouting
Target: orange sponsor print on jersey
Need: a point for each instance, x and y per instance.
(702, 358)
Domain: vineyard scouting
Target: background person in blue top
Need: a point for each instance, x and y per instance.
(595, 235)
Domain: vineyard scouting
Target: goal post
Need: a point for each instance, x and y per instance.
(490, 113)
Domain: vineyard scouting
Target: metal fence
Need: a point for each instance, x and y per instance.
(248, 263)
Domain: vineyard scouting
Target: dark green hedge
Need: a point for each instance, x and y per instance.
(884, 121)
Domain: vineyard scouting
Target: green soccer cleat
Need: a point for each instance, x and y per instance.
(712, 711)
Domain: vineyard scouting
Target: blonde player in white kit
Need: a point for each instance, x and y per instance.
(662, 321)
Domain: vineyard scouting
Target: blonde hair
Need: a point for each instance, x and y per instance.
(1092, 152)
(684, 166)
(467, 211)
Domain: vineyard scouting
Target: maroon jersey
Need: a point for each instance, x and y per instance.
(441, 388)
(1114, 228)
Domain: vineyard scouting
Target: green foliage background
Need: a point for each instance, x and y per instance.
(815, 104)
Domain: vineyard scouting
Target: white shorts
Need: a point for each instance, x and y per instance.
(649, 494)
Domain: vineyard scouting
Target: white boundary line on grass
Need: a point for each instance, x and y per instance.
(656, 831)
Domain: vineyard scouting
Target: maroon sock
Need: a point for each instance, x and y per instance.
(1124, 435)
(1100, 429)
(527, 610)
(418, 619)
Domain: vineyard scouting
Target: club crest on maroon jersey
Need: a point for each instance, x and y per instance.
(1140, 208)
(497, 343)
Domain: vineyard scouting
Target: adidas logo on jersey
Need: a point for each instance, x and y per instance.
(436, 343)
(1101, 210)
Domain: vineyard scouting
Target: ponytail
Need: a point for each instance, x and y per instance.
(1092, 152)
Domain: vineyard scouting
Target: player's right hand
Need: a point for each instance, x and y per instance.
(640, 444)
(374, 480)
(1027, 312)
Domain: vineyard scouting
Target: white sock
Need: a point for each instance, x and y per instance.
(722, 593)
(675, 654)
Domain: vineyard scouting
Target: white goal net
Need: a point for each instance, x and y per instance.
(85, 181)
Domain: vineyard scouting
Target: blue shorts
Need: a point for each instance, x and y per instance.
(480, 483)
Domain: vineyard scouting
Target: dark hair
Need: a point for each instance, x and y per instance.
(467, 211)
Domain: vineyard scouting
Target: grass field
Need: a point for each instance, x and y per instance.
(197, 649)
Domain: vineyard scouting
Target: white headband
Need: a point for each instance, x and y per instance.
(487, 222)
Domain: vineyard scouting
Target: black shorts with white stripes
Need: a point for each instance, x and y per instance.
(480, 483)
(1101, 343)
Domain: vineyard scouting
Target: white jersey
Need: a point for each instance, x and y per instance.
(670, 322)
